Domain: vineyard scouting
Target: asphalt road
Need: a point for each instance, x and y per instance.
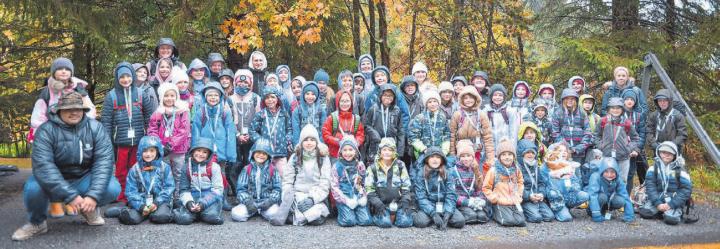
(71, 232)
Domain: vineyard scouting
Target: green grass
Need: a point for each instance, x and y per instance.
(706, 184)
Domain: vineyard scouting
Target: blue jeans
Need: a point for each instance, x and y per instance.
(348, 217)
(402, 220)
(37, 199)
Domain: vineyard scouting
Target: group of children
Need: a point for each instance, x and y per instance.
(193, 141)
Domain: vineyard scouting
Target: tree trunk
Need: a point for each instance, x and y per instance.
(235, 60)
(371, 15)
(489, 40)
(84, 60)
(356, 27)
(412, 39)
(453, 60)
(521, 52)
(384, 48)
(625, 14)
(671, 32)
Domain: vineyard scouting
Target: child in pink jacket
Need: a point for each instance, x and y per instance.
(171, 123)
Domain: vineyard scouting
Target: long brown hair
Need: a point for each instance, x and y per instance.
(441, 169)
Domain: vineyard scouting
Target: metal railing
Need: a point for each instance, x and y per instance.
(652, 62)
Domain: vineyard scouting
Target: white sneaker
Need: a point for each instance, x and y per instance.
(29, 230)
(94, 218)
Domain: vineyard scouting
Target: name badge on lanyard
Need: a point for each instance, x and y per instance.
(131, 133)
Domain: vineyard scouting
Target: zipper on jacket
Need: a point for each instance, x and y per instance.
(81, 151)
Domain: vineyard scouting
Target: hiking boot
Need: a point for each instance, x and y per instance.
(94, 218)
(113, 212)
(56, 210)
(226, 205)
(29, 230)
(70, 210)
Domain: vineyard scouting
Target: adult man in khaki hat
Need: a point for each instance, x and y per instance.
(72, 162)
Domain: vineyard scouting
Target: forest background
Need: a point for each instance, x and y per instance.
(533, 40)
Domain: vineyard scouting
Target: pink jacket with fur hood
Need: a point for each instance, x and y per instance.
(179, 137)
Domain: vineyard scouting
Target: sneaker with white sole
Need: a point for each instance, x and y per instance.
(29, 230)
(94, 218)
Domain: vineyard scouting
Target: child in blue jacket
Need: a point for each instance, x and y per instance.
(607, 193)
(201, 187)
(259, 185)
(150, 186)
(435, 193)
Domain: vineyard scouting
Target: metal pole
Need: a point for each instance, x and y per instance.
(697, 127)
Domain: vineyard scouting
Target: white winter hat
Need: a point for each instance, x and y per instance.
(445, 86)
(309, 131)
(419, 66)
(430, 94)
(178, 75)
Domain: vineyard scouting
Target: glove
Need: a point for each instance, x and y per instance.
(167, 149)
(362, 201)
(189, 205)
(263, 205)
(305, 204)
(351, 203)
(377, 206)
(446, 219)
(251, 208)
(438, 220)
(419, 146)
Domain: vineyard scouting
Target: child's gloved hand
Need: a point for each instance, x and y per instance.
(147, 210)
(362, 201)
(305, 204)
(351, 203)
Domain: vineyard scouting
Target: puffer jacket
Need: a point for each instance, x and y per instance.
(115, 116)
(62, 152)
(660, 177)
(470, 123)
(666, 125)
(348, 179)
(429, 129)
(504, 186)
(179, 137)
(306, 113)
(158, 178)
(435, 189)
(339, 123)
(558, 184)
(373, 98)
(573, 128)
(310, 176)
(616, 91)
(535, 180)
(275, 127)
(196, 185)
(614, 137)
(270, 184)
(384, 122)
(216, 122)
(600, 185)
(199, 85)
